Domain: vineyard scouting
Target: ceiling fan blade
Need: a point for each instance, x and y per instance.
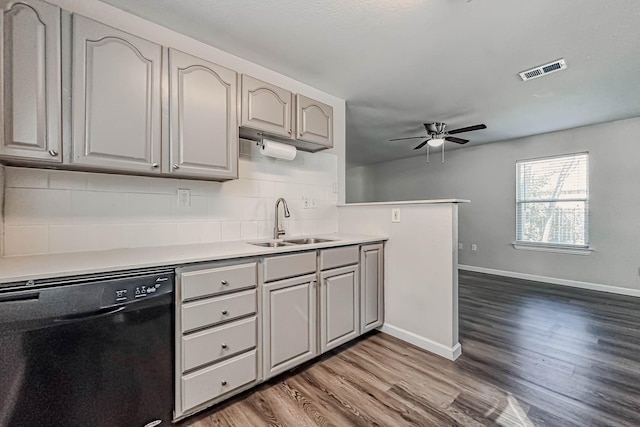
(467, 129)
(411, 137)
(456, 140)
(422, 144)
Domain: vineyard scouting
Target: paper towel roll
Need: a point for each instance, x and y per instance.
(278, 150)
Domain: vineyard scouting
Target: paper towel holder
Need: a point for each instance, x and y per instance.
(267, 150)
(259, 143)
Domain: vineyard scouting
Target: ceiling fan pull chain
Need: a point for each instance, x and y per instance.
(427, 154)
(443, 154)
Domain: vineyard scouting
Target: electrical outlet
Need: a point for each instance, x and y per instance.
(305, 203)
(395, 215)
(184, 197)
(313, 203)
(460, 246)
(474, 247)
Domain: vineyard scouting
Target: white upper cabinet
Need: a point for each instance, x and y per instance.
(314, 121)
(204, 128)
(270, 109)
(116, 99)
(30, 101)
(266, 107)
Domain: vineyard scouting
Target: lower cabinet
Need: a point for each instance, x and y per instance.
(339, 306)
(217, 333)
(242, 321)
(289, 323)
(371, 287)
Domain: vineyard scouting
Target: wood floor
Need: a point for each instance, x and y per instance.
(533, 355)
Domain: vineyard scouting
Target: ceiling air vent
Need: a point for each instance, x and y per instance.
(543, 70)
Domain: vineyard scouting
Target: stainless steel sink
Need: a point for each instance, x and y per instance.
(308, 240)
(291, 242)
(271, 244)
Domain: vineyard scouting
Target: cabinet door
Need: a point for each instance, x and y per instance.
(289, 334)
(116, 98)
(314, 121)
(31, 96)
(371, 287)
(204, 129)
(266, 107)
(339, 307)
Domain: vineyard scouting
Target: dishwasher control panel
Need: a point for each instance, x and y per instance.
(137, 288)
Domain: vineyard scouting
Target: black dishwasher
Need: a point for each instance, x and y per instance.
(85, 352)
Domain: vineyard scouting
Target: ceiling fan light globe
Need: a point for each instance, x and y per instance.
(436, 142)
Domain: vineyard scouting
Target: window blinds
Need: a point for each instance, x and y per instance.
(552, 201)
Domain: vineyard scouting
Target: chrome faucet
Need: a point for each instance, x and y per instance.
(277, 231)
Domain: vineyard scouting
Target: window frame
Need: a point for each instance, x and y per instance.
(548, 246)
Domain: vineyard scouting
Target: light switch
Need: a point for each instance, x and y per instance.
(395, 215)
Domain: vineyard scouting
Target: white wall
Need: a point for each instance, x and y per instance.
(485, 175)
(359, 184)
(421, 276)
(48, 211)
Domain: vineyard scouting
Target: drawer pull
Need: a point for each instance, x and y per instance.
(225, 312)
(224, 283)
(224, 382)
(224, 346)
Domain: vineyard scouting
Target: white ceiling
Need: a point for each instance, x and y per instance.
(400, 63)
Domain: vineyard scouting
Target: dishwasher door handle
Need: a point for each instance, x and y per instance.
(28, 296)
(91, 315)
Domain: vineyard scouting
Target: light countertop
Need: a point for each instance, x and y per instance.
(34, 267)
(406, 202)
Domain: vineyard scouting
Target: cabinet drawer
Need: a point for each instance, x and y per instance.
(338, 257)
(211, 311)
(213, 344)
(209, 383)
(282, 267)
(213, 281)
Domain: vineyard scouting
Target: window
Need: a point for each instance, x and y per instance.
(552, 201)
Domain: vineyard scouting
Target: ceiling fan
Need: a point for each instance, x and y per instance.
(437, 134)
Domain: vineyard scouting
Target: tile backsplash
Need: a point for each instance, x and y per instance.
(51, 211)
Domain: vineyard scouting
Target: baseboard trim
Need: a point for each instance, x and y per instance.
(451, 353)
(553, 280)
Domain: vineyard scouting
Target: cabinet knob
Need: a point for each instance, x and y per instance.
(53, 153)
(224, 346)
(155, 165)
(224, 283)
(225, 312)
(176, 166)
(223, 382)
